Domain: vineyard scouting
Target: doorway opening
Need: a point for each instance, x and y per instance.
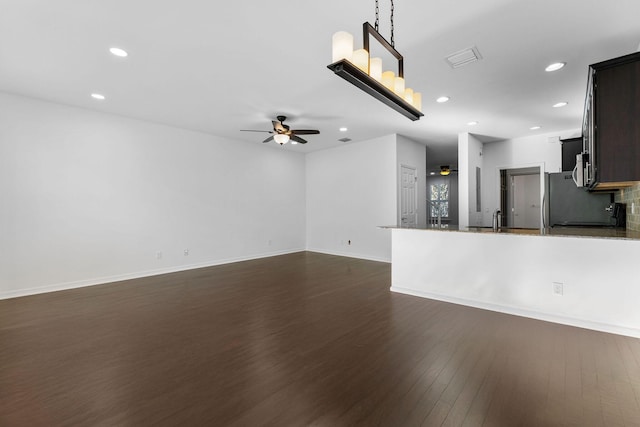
(520, 204)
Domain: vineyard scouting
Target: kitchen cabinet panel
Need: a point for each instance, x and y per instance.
(614, 131)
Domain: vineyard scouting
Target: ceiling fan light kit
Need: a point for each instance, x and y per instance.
(364, 72)
(281, 138)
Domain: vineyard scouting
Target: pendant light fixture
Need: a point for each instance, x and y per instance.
(358, 68)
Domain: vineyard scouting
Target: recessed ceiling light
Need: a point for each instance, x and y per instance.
(560, 104)
(432, 173)
(442, 99)
(343, 129)
(118, 52)
(534, 127)
(555, 66)
(98, 96)
(473, 123)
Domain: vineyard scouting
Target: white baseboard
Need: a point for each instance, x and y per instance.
(134, 275)
(350, 255)
(548, 317)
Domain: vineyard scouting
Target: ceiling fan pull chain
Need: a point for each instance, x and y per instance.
(377, 16)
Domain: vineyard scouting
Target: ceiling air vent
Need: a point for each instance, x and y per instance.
(344, 139)
(463, 57)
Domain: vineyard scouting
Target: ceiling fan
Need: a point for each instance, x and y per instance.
(283, 133)
(446, 170)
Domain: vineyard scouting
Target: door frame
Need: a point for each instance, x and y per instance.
(541, 169)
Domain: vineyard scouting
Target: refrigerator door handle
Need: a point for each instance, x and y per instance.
(544, 210)
(573, 175)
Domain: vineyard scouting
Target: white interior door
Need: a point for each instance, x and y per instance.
(525, 208)
(408, 197)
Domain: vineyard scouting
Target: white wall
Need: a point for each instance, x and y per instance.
(515, 274)
(90, 197)
(412, 153)
(351, 190)
(469, 157)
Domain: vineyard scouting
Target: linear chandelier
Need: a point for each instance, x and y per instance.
(364, 72)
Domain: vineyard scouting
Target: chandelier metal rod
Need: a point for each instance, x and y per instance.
(360, 79)
(367, 30)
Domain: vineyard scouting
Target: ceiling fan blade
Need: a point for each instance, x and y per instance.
(277, 126)
(298, 139)
(305, 131)
(254, 130)
(268, 139)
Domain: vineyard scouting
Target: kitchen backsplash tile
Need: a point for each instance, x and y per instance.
(631, 195)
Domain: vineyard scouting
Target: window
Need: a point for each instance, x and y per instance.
(439, 197)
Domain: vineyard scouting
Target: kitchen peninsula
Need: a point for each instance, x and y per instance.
(585, 280)
(586, 277)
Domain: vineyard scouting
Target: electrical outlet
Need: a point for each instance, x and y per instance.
(558, 288)
(186, 252)
(159, 255)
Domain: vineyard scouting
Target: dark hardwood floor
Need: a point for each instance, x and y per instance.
(295, 340)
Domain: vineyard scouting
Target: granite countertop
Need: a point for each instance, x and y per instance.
(594, 232)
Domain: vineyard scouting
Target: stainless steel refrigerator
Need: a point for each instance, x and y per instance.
(568, 205)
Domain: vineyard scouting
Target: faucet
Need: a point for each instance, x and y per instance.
(497, 220)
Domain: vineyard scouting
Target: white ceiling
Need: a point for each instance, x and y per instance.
(221, 67)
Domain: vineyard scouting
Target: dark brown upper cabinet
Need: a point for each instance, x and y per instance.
(611, 127)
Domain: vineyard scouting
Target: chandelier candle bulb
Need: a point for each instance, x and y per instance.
(388, 79)
(398, 87)
(408, 95)
(375, 68)
(361, 60)
(342, 46)
(417, 100)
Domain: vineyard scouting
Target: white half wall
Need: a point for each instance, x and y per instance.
(516, 273)
(351, 191)
(91, 198)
